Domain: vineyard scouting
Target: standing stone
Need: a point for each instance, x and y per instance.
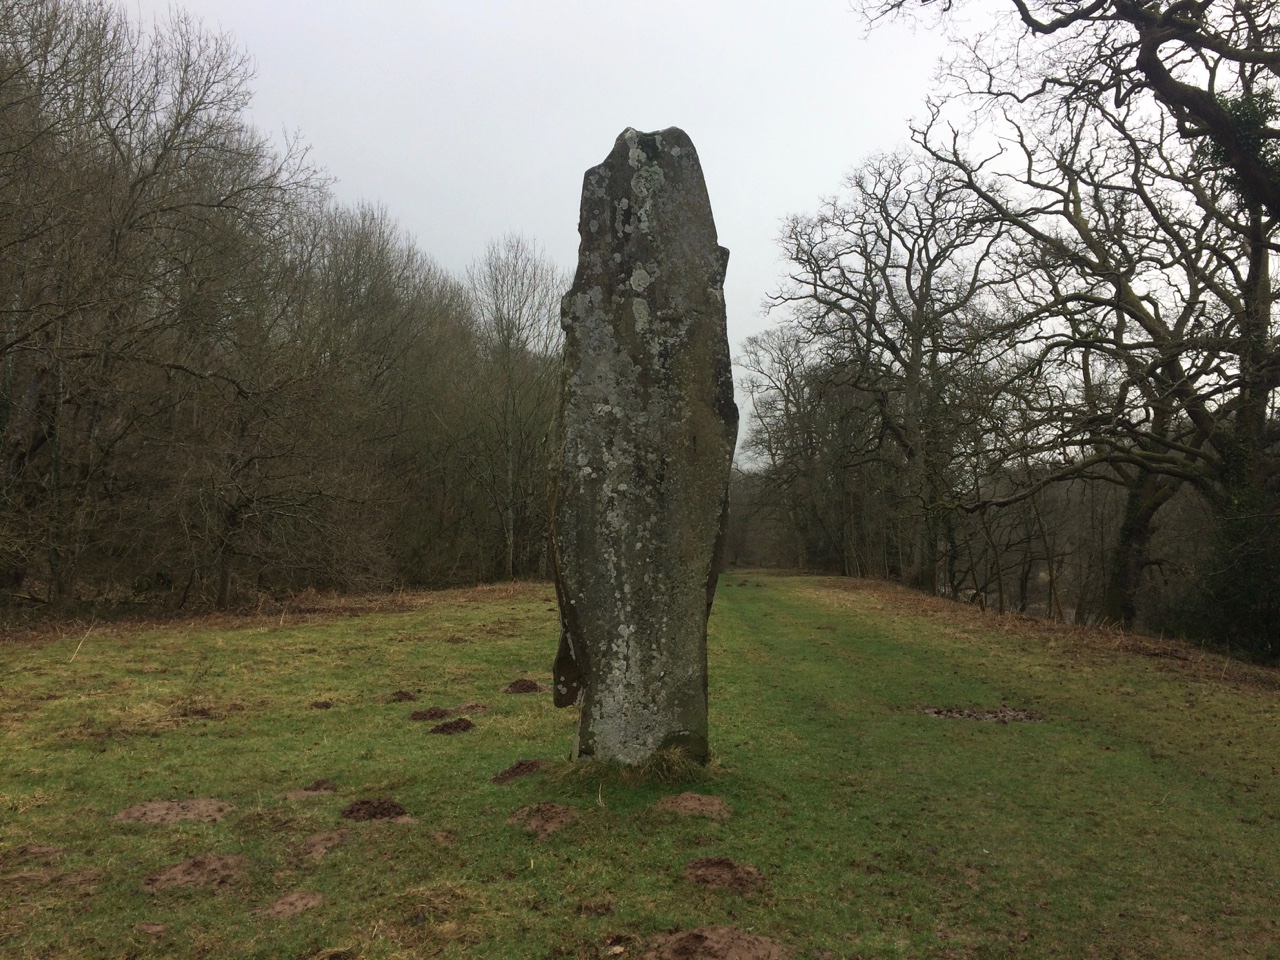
(647, 432)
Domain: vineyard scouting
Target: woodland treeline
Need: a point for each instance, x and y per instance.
(215, 381)
(1030, 360)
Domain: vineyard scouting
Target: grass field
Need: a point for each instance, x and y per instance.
(1128, 807)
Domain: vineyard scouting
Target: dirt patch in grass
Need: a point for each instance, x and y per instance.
(431, 713)
(543, 819)
(81, 882)
(1001, 714)
(440, 713)
(723, 873)
(403, 696)
(451, 727)
(525, 685)
(317, 789)
(695, 804)
(715, 943)
(203, 809)
(294, 903)
(521, 768)
(156, 930)
(373, 808)
(318, 844)
(33, 851)
(322, 705)
(211, 871)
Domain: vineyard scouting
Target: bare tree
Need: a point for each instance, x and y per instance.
(515, 294)
(1150, 287)
(1213, 65)
(893, 284)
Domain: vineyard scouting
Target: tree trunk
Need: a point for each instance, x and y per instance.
(1147, 494)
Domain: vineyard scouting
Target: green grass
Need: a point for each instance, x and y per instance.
(1140, 819)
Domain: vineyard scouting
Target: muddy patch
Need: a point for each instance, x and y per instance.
(431, 713)
(525, 685)
(294, 903)
(203, 809)
(1001, 714)
(317, 789)
(715, 943)
(374, 808)
(318, 844)
(543, 819)
(695, 804)
(521, 768)
(441, 713)
(723, 873)
(452, 727)
(218, 872)
(403, 696)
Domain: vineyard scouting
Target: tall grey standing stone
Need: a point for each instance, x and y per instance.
(647, 432)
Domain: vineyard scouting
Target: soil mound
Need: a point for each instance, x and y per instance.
(319, 788)
(212, 871)
(1002, 714)
(524, 685)
(203, 809)
(543, 819)
(448, 729)
(695, 804)
(294, 903)
(722, 873)
(376, 808)
(431, 713)
(318, 844)
(715, 943)
(404, 696)
(521, 768)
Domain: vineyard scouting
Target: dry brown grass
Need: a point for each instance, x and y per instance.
(1102, 644)
(308, 608)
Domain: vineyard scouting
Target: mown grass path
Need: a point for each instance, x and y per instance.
(1139, 818)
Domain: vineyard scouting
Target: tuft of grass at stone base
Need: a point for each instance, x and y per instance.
(1136, 815)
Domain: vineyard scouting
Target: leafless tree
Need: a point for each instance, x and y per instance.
(515, 293)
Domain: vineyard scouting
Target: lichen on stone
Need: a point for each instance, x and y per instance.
(647, 431)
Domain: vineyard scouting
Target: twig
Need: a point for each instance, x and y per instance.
(82, 640)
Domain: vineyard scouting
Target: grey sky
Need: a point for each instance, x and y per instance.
(471, 118)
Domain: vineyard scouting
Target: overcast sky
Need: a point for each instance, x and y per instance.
(468, 119)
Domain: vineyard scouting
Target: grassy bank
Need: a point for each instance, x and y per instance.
(1120, 801)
